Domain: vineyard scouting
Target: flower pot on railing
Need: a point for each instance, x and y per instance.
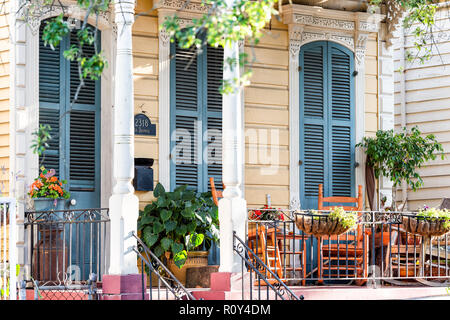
(320, 225)
(426, 227)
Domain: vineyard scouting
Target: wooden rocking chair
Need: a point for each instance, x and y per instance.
(347, 254)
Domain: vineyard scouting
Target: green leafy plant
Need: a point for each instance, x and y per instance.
(399, 155)
(347, 219)
(178, 222)
(266, 213)
(41, 141)
(431, 214)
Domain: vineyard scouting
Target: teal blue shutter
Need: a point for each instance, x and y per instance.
(50, 99)
(196, 117)
(326, 121)
(214, 116)
(342, 135)
(185, 118)
(84, 129)
(313, 118)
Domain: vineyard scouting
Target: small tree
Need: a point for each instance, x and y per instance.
(398, 156)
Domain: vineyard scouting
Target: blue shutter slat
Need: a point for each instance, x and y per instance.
(340, 84)
(186, 79)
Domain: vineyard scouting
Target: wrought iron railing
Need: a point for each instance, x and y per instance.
(258, 280)
(66, 246)
(161, 284)
(8, 250)
(378, 249)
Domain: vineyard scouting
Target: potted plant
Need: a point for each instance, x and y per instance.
(397, 156)
(428, 222)
(46, 190)
(336, 222)
(180, 227)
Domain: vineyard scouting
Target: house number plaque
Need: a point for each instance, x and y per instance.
(143, 125)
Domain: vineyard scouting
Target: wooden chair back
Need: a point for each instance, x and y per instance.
(358, 201)
(216, 194)
(357, 205)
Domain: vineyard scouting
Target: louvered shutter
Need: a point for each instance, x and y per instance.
(185, 119)
(341, 121)
(214, 76)
(196, 117)
(50, 100)
(326, 121)
(83, 133)
(313, 121)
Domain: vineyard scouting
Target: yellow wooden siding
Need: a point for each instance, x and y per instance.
(267, 120)
(145, 59)
(371, 92)
(427, 96)
(4, 98)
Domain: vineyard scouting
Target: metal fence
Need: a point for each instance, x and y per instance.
(158, 283)
(380, 248)
(8, 251)
(259, 281)
(65, 248)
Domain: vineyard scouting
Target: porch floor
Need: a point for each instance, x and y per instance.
(344, 293)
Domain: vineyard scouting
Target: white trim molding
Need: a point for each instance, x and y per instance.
(350, 29)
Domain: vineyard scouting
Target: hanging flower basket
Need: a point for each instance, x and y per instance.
(335, 223)
(425, 226)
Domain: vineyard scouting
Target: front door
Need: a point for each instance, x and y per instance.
(74, 150)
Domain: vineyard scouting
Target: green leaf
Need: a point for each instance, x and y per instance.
(181, 230)
(166, 243)
(159, 190)
(170, 226)
(150, 239)
(157, 227)
(176, 247)
(180, 258)
(165, 215)
(187, 213)
(159, 251)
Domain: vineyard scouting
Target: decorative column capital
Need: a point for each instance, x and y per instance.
(360, 47)
(295, 40)
(124, 11)
(164, 37)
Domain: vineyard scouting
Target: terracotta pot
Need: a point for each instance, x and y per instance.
(194, 259)
(319, 226)
(424, 227)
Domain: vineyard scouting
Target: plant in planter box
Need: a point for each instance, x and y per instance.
(335, 222)
(428, 222)
(48, 187)
(179, 222)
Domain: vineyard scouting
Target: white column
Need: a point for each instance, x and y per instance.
(232, 208)
(123, 204)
